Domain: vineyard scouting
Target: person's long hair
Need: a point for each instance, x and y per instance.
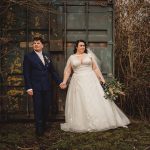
(76, 45)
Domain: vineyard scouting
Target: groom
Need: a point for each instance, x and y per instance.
(36, 68)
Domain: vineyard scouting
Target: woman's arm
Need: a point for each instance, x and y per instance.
(67, 72)
(97, 71)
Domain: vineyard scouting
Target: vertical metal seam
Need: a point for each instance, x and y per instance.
(27, 50)
(65, 30)
(87, 20)
(113, 36)
(49, 27)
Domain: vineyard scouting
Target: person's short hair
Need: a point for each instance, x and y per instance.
(39, 39)
(76, 45)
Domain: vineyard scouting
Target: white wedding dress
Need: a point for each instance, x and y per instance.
(86, 109)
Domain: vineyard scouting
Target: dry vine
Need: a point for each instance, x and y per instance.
(132, 54)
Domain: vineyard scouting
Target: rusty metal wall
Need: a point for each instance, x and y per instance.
(60, 28)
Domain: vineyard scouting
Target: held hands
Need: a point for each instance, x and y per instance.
(63, 85)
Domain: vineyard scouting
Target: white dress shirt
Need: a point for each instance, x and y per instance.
(40, 56)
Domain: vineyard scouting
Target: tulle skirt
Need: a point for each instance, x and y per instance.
(87, 110)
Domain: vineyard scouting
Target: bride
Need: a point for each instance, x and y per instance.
(86, 108)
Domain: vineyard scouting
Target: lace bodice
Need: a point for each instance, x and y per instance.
(80, 66)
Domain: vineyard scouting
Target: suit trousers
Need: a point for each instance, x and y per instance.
(41, 102)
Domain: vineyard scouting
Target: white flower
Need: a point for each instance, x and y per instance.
(47, 59)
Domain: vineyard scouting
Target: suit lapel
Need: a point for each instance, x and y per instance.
(46, 59)
(37, 59)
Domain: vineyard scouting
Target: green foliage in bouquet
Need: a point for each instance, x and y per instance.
(113, 89)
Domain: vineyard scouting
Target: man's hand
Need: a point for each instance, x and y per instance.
(62, 85)
(30, 92)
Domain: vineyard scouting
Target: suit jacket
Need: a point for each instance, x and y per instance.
(36, 74)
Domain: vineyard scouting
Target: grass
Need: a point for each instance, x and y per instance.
(21, 136)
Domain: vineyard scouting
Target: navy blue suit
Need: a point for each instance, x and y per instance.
(36, 76)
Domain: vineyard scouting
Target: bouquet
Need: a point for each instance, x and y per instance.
(113, 89)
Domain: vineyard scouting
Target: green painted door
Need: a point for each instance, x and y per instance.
(93, 24)
(67, 22)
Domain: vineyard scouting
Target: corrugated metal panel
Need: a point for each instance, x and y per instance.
(74, 20)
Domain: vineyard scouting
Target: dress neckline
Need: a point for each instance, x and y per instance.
(77, 57)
